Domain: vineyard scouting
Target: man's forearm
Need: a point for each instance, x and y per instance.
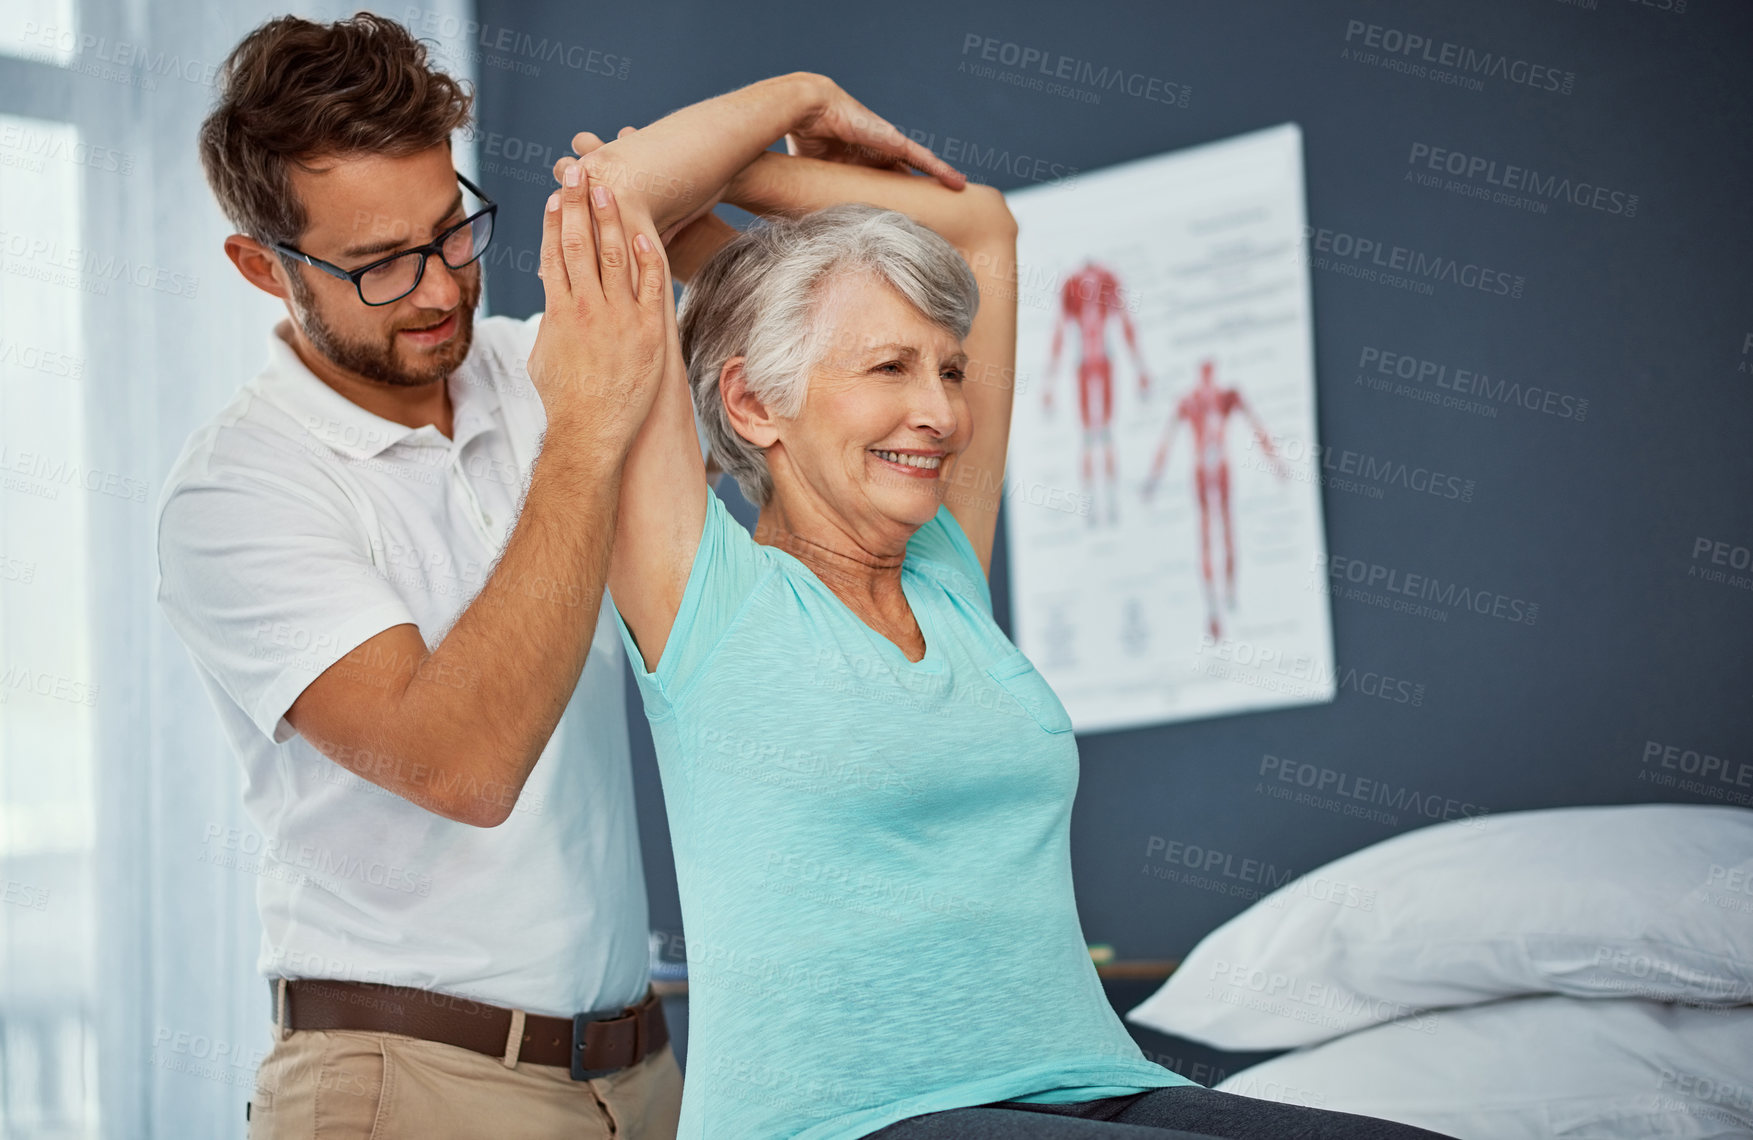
(492, 692)
(672, 167)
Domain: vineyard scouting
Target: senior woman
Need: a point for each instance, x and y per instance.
(869, 787)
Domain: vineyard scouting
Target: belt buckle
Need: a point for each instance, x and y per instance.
(579, 1021)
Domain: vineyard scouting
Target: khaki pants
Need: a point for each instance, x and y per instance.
(354, 1085)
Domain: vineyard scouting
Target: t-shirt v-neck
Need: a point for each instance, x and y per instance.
(932, 661)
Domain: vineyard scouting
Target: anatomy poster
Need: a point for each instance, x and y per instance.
(1163, 520)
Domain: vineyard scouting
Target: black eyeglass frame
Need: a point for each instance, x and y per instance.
(433, 248)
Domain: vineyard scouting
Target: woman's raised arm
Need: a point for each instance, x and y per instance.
(662, 504)
(675, 167)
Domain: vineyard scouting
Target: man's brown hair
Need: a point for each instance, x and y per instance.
(295, 90)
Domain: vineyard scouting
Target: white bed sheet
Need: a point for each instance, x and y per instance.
(1534, 1067)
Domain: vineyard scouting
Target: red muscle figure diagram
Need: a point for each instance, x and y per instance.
(1090, 297)
(1206, 411)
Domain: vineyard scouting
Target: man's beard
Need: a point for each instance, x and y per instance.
(377, 361)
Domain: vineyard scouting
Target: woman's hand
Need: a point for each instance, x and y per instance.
(600, 352)
(586, 141)
(841, 129)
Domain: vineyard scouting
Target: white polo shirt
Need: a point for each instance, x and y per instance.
(295, 525)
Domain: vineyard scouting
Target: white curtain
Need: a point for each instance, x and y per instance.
(129, 1002)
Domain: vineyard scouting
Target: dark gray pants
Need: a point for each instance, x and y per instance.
(1186, 1112)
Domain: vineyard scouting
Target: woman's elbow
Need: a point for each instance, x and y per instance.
(996, 222)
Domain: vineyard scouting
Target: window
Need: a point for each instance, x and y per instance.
(47, 1046)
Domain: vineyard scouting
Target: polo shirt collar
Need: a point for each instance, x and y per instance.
(349, 429)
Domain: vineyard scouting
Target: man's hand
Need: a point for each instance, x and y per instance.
(844, 130)
(688, 243)
(600, 350)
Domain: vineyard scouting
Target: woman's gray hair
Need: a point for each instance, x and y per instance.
(756, 297)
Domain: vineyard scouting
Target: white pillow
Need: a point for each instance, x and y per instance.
(1534, 1067)
(1650, 901)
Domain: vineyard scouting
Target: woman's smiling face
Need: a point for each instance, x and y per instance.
(884, 415)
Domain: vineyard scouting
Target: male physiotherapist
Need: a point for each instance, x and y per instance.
(386, 556)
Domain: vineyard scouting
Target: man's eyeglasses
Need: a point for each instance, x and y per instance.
(389, 279)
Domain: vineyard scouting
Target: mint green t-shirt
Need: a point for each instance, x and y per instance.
(873, 854)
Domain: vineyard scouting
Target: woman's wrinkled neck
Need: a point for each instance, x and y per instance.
(830, 547)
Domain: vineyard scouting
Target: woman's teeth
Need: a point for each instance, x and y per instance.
(927, 461)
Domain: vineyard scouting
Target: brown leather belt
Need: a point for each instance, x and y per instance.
(589, 1044)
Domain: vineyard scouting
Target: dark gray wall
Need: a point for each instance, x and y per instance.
(1644, 312)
